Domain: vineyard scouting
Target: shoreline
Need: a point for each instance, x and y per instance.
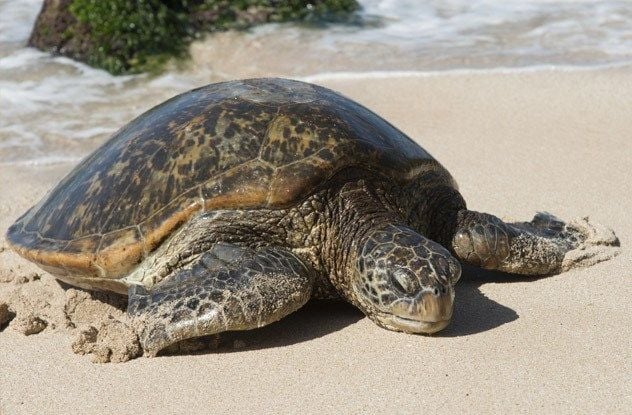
(516, 143)
(89, 137)
(504, 70)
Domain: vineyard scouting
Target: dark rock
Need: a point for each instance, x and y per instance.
(130, 37)
(59, 32)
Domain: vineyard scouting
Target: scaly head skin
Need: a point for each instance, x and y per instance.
(404, 281)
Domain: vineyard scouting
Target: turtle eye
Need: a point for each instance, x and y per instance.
(405, 281)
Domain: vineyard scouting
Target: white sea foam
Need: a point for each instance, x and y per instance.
(342, 76)
(16, 19)
(22, 58)
(42, 161)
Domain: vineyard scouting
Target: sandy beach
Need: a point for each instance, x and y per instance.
(517, 143)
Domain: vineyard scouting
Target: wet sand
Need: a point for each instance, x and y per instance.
(517, 143)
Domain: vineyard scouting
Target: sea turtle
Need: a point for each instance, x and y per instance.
(230, 206)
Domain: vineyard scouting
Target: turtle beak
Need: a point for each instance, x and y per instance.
(429, 313)
(437, 305)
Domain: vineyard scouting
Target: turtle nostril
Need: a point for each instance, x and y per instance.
(439, 291)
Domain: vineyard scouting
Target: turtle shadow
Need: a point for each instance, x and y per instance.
(316, 319)
(474, 312)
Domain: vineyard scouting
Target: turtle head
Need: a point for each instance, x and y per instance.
(405, 282)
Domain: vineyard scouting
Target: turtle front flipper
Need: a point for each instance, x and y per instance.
(546, 245)
(226, 288)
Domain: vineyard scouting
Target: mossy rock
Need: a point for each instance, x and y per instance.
(123, 36)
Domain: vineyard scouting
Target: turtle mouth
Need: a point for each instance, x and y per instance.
(411, 325)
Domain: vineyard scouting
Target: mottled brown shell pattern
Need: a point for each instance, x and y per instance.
(260, 143)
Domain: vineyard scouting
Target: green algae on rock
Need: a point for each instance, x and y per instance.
(141, 36)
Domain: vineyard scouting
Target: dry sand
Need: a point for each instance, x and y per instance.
(517, 143)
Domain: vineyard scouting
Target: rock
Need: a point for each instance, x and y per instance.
(130, 37)
(59, 32)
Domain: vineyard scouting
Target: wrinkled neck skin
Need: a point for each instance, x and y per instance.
(431, 205)
(361, 207)
(379, 259)
(357, 210)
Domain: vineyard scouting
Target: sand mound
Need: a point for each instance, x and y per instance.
(31, 303)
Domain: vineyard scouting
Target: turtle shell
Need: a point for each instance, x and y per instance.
(251, 144)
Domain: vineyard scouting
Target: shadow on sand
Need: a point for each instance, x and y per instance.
(473, 313)
(314, 320)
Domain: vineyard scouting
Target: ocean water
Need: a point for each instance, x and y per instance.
(53, 109)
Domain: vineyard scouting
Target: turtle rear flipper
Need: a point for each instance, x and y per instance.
(226, 288)
(546, 245)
